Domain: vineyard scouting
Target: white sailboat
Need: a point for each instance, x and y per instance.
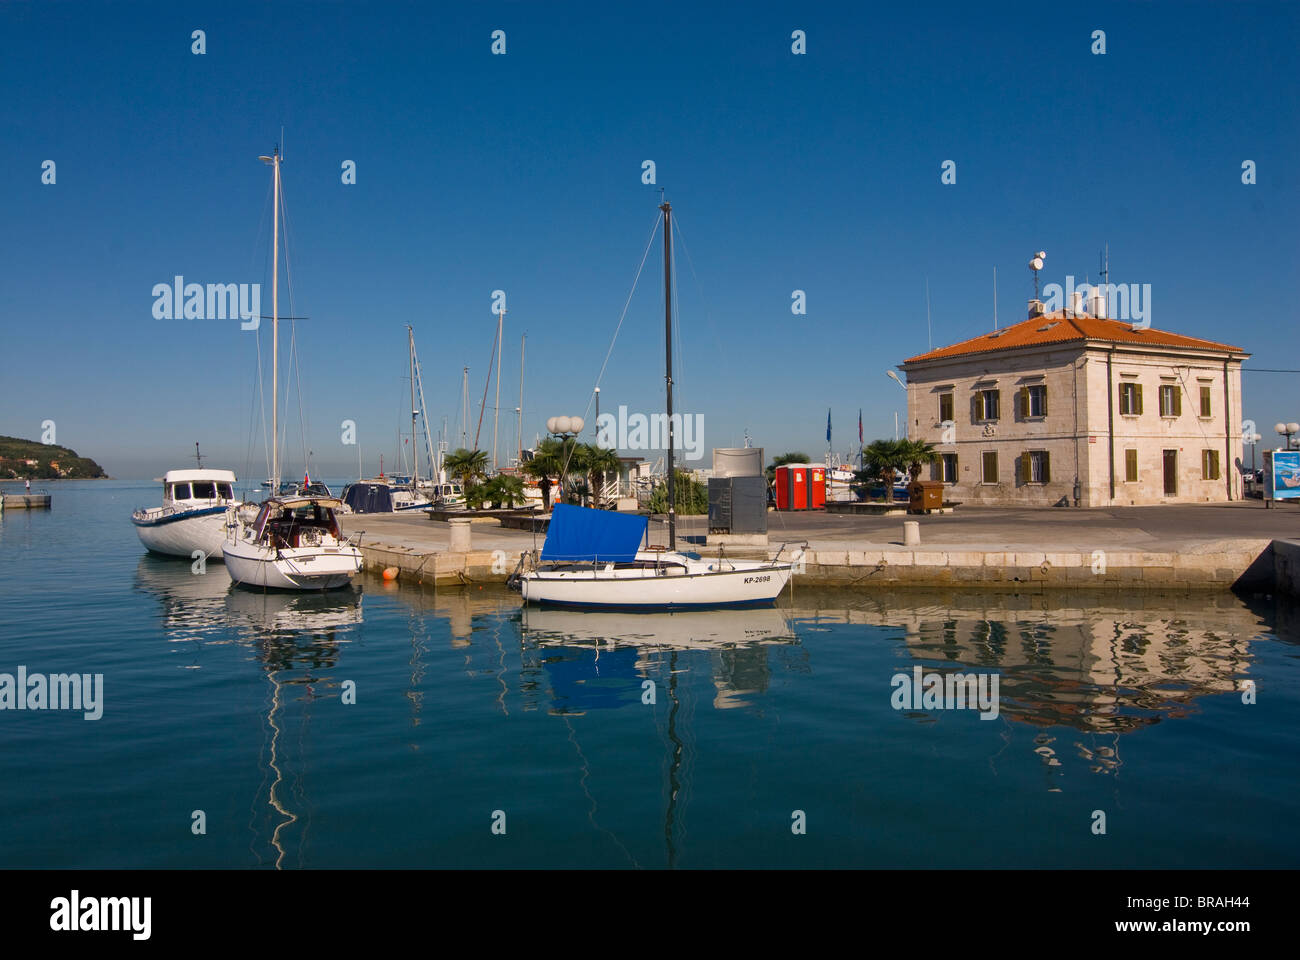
(294, 542)
(591, 557)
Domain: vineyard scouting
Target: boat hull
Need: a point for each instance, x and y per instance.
(749, 586)
(179, 535)
(298, 568)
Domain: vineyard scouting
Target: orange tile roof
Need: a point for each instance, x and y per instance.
(1061, 327)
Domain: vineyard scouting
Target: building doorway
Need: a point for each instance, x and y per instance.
(1171, 473)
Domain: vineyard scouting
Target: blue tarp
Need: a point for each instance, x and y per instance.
(577, 533)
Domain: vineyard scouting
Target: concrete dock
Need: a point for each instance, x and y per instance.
(25, 501)
(1177, 546)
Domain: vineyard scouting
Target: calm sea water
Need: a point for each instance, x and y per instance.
(469, 713)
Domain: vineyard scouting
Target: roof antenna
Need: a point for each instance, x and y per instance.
(1105, 282)
(1035, 265)
(197, 455)
(928, 336)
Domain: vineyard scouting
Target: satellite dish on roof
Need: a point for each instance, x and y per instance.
(1036, 263)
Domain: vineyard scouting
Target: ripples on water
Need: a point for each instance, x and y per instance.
(623, 740)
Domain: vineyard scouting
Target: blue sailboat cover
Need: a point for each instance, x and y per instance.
(578, 533)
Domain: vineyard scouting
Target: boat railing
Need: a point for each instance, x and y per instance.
(795, 558)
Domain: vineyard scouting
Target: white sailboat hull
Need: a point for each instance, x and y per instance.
(179, 535)
(294, 568)
(664, 588)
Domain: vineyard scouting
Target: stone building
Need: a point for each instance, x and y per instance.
(1067, 407)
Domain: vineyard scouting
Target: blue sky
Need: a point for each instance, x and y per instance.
(522, 172)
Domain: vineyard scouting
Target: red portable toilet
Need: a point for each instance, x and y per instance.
(816, 487)
(792, 487)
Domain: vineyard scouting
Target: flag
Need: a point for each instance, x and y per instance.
(859, 425)
(828, 424)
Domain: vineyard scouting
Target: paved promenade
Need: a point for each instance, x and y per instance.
(1183, 546)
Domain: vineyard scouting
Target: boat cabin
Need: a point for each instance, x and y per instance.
(198, 486)
(297, 522)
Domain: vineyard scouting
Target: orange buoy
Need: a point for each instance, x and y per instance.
(390, 573)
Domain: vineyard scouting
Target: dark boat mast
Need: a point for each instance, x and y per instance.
(667, 208)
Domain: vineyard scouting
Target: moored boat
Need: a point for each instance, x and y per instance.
(192, 516)
(293, 543)
(591, 559)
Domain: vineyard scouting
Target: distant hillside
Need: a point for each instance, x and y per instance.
(29, 460)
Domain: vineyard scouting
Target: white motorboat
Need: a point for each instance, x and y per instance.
(192, 516)
(293, 543)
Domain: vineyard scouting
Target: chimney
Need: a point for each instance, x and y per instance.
(1035, 308)
(1097, 303)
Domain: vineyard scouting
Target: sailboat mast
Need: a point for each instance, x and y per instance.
(415, 459)
(275, 330)
(519, 430)
(667, 208)
(496, 408)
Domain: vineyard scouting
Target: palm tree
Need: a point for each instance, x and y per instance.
(916, 454)
(594, 461)
(504, 488)
(781, 461)
(466, 465)
(547, 462)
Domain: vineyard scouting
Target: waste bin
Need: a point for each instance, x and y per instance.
(925, 495)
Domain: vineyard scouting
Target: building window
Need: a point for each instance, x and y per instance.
(987, 404)
(1171, 400)
(1033, 401)
(949, 466)
(1205, 401)
(1130, 399)
(1130, 466)
(1210, 464)
(990, 467)
(1035, 467)
(945, 407)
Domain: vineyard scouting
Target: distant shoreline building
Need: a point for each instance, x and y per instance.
(1069, 407)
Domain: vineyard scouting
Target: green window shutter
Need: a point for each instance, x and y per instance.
(1137, 389)
(1122, 408)
(1043, 394)
(1022, 463)
(1178, 402)
(1047, 467)
(997, 404)
(1022, 403)
(979, 405)
(1205, 401)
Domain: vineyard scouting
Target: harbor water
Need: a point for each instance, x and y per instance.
(391, 726)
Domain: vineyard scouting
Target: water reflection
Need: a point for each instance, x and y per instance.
(192, 603)
(597, 660)
(1099, 664)
(296, 637)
